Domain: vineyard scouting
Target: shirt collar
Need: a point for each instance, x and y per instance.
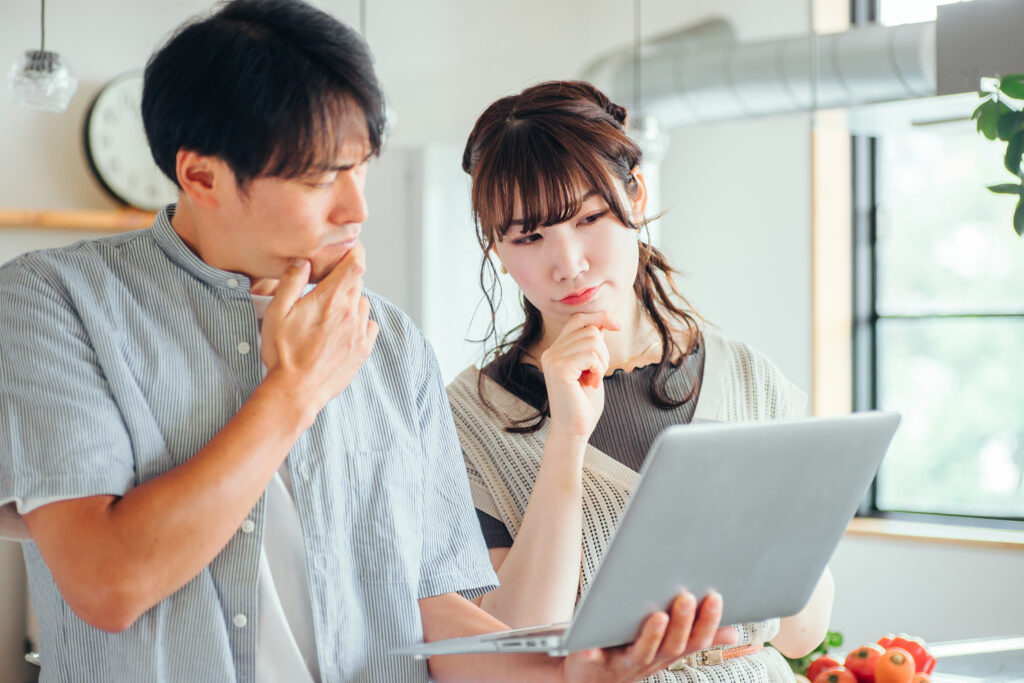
(172, 245)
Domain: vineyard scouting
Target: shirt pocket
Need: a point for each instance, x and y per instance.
(385, 500)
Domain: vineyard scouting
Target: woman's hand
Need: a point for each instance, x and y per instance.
(664, 639)
(574, 367)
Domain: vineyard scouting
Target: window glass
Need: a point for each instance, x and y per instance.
(949, 337)
(945, 244)
(959, 384)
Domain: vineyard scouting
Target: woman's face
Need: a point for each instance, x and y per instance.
(586, 264)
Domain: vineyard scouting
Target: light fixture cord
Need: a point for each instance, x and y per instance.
(362, 18)
(42, 25)
(637, 71)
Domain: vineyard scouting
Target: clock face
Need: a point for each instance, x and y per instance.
(117, 150)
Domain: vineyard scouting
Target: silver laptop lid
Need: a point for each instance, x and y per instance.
(752, 510)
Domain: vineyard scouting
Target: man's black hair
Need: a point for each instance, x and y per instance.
(268, 86)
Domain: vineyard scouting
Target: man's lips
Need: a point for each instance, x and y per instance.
(581, 297)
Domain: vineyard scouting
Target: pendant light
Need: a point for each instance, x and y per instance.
(41, 79)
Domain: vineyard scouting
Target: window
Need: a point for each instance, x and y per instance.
(939, 314)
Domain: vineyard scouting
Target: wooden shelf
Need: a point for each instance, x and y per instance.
(115, 220)
(949, 534)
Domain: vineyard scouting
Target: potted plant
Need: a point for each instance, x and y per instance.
(1001, 116)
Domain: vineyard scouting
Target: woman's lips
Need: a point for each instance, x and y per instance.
(581, 297)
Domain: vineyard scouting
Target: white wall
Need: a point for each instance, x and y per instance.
(737, 195)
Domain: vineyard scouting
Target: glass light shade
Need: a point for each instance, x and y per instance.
(42, 80)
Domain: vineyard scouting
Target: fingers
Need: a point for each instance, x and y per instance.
(682, 612)
(582, 354)
(706, 624)
(289, 287)
(602, 320)
(369, 328)
(345, 280)
(645, 649)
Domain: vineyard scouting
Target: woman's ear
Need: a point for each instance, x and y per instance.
(200, 177)
(640, 203)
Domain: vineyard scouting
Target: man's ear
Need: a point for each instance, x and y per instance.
(640, 203)
(201, 177)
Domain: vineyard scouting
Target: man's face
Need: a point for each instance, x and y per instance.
(317, 216)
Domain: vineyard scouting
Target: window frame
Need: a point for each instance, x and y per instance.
(864, 308)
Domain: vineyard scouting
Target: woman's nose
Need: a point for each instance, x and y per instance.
(568, 257)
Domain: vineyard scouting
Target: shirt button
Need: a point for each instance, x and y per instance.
(243, 347)
(240, 620)
(321, 562)
(248, 526)
(232, 282)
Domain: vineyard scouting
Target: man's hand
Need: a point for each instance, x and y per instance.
(319, 341)
(662, 641)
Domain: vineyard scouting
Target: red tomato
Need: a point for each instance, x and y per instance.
(820, 664)
(895, 666)
(861, 662)
(837, 674)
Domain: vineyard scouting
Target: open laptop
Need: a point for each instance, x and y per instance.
(752, 510)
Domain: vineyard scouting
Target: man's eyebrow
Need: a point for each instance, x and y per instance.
(343, 166)
(585, 197)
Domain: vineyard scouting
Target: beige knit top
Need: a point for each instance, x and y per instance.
(739, 384)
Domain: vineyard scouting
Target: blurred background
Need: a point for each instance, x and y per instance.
(823, 193)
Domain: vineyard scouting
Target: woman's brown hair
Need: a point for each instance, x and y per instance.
(547, 146)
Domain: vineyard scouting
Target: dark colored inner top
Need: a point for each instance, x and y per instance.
(627, 427)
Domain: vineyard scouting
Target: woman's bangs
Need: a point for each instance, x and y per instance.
(547, 178)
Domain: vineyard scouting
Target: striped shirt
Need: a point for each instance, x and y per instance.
(122, 357)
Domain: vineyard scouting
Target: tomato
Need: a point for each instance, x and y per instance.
(837, 674)
(861, 662)
(895, 666)
(819, 665)
(923, 660)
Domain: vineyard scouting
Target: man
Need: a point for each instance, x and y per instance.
(235, 464)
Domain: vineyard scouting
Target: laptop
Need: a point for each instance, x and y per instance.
(752, 510)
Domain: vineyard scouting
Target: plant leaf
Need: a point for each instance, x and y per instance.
(1014, 151)
(1007, 188)
(1018, 218)
(989, 120)
(1010, 124)
(1013, 85)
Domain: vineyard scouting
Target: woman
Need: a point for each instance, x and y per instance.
(557, 424)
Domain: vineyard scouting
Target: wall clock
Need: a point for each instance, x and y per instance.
(117, 150)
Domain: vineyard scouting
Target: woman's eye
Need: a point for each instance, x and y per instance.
(592, 218)
(527, 239)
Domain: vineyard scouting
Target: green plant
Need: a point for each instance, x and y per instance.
(1000, 116)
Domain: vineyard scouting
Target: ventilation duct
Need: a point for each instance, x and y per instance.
(704, 74)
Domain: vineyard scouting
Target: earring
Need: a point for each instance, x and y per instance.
(504, 270)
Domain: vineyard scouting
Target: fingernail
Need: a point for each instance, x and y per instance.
(298, 262)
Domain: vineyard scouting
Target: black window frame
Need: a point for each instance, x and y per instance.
(865, 315)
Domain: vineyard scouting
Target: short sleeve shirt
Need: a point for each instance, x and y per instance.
(122, 357)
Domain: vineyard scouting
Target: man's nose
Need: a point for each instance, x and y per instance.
(349, 200)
